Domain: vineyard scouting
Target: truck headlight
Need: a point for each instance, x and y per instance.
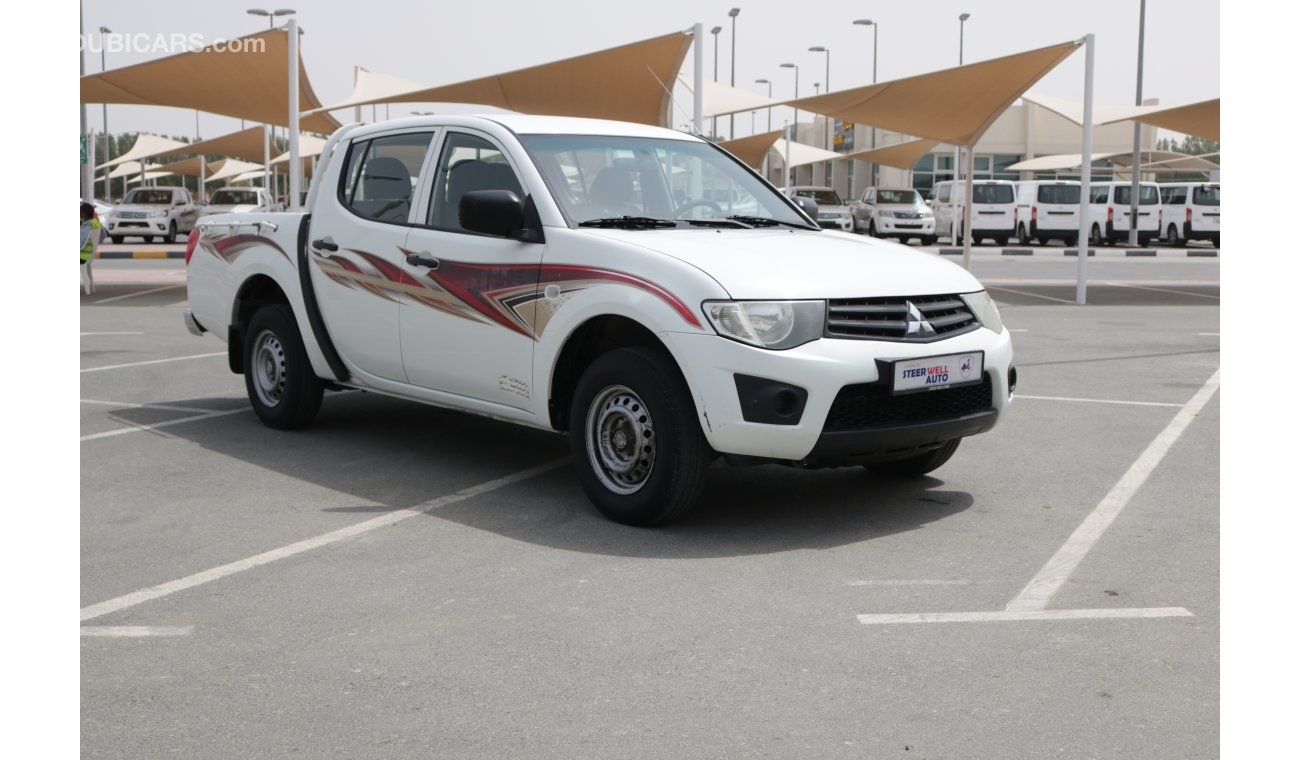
(927, 214)
(768, 324)
(157, 214)
(886, 213)
(982, 306)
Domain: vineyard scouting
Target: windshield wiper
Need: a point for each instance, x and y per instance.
(730, 221)
(630, 222)
(763, 221)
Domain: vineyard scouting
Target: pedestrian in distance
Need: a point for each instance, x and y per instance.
(91, 230)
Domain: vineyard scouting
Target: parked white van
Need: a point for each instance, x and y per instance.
(1109, 212)
(1046, 210)
(1191, 212)
(993, 204)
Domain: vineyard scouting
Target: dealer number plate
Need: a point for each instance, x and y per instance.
(935, 372)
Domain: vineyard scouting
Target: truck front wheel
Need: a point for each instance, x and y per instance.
(637, 445)
(283, 389)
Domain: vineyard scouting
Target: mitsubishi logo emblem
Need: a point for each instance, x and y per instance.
(917, 326)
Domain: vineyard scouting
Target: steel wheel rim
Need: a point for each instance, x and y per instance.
(268, 370)
(620, 440)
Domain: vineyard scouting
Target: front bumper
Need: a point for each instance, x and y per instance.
(844, 224)
(137, 226)
(822, 368)
(913, 227)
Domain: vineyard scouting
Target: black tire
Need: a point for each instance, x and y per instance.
(1176, 240)
(147, 238)
(1215, 240)
(871, 228)
(1072, 240)
(171, 232)
(117, 239)
(282, 387)
(929, 239)
(1023, 236)
(638, 396)
(1094, 237)
(1042, 240)
(1002, 240)
(915, 467)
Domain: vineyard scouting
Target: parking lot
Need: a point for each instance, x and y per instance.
(400, 580)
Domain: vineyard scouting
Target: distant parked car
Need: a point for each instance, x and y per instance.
(902, 213)
(1191, 212)
(993, 208)
(1109, 211)
(238, 200)
(832, 212)
(1047, 209)
(153, 212)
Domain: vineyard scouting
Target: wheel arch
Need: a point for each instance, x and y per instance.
(254, 292)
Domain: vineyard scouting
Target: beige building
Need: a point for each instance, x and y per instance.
(1022, 132)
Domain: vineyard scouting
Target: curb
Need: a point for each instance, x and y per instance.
(140, 254)
(1138, 252)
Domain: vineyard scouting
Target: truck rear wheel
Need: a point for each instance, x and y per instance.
(915, 467)
(636, 440)
(282, 387)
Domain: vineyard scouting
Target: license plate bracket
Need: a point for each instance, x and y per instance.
(932, 373)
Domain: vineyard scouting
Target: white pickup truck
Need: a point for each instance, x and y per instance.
(583, 276)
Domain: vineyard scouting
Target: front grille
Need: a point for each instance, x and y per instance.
(870, 405)
(907, 215)
(886, 318)
(131, 215)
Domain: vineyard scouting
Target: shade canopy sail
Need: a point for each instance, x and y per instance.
(721, 99)
(132, 169)
(147, 177)
(375, 87)
(247, 177)
(190, 167)
(1073, 110)
(902, 155)
(802, 155)
(308, 146)
(1199, 119)
(248, 143)
(1150, 160)
(628, 83)
(245, 78)
(146, 146)
(232, 167)
(955, 106)
(752, 149)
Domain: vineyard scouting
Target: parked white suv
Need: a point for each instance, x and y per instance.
(993, 206)
(152, 212)
(832, 212)
(1109, 212)
(571, 275)
(1191, 212)
(238, 200)
(900, 213)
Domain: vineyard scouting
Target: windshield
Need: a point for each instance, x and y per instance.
(156, 197)
(906, 197)
(609, 176)
(823, 197)
(1147, 195)
(993, 194)
(1058, 194)
(234, 198)
(1206, 196)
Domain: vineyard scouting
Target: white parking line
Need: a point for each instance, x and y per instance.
(111, 333)
(154, 361)
(1161, 290)
(129, 405)
(911, 582)
(1010, 616)
(1095, 400)
(133, 295)
(392, 518)
(136, 631)
(1031, 295)
(1040, 589)
(1213, 335)
(146, 428)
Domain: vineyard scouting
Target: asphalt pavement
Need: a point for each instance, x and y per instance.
(405, 581)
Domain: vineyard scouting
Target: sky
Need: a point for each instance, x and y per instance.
(437, 43)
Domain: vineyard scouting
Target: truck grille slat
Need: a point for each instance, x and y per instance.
(869, 405)
(886, 318)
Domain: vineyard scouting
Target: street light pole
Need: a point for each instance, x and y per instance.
(103, 66)
(1137, 133)
(734, 12)
(875, 56)
(714, 31)
(830, 130)
(769, 97)
(956, 151)
(270, 24)
(791, 135)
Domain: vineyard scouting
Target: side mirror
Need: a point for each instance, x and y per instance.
(498, 212)
(807, 205)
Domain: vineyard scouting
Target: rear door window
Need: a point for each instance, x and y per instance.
(1207, 195)
(1066, 194)
(993, 194)
(380, 177)
(1147, 195)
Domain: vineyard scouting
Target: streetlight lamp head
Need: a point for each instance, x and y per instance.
(734, 12)
(258, 12)
(105, 30)
(818, 49)
(715, 30)
(963, 17)
(761, 81)
(283, 12)
(789, 66)
(864, 22)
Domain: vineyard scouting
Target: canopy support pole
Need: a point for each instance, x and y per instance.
(967, 220)
(1085, 176)
(295, 169)
(266, 161)
(203, 179)
(1137, 134)
(699, 78)
(787, 169)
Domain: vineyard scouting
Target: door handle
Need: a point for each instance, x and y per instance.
(325, 244)
(422, 259)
